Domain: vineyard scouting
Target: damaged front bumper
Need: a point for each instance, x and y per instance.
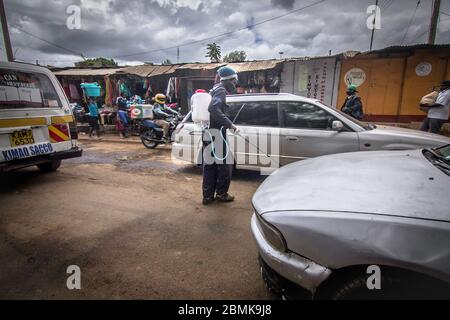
(291, 266)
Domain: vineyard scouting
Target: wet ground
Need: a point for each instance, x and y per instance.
(132, 220)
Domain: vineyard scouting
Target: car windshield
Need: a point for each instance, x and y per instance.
(19, 89)
(362, 124)
(440, 157)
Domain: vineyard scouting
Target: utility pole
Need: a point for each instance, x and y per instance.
(434, 21)
(373, 25)
(178, 55)
(6, 39)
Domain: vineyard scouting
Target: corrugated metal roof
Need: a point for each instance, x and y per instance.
(201, 66)
(408, 48)
(254, 65)
(140, 70)
(87, 72)
(149, 70)
(159, 70)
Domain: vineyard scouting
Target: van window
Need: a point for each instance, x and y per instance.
(233, 110)
(258, 114)
(19, 89)
(303, 115)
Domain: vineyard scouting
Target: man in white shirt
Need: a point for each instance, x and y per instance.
(439, 111)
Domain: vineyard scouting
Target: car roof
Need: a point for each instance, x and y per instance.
(25, 67)
(247, 97)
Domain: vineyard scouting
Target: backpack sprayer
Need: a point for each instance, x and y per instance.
(200, 116)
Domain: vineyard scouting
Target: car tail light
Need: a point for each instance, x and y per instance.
(272, 235)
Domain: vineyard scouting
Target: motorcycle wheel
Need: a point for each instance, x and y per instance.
(148, 137)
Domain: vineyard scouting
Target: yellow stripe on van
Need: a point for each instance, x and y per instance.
(62, 119)
(22, 122)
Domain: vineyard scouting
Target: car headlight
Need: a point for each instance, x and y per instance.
(272, 235)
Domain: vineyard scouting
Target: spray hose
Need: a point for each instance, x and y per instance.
(214, 148)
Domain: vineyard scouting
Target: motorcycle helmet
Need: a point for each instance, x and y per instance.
(160, 98)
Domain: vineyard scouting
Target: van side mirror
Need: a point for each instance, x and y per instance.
(337, 125)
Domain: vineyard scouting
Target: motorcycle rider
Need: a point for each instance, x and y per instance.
(352, 104)
(218, 166)
(161, 113)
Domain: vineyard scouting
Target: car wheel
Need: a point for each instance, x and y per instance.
(355, 288)
(49, 166)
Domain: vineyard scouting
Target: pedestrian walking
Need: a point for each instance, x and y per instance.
(438, 111)
(93, 118)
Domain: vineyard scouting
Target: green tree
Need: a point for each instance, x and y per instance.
(213, 52)
(235, 56)
(166, 62)
(97, 62)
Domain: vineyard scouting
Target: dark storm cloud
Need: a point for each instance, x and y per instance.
(288, 4)
(120, 28)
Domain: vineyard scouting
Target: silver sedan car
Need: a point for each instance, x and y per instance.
(288, 128)
(357, 225)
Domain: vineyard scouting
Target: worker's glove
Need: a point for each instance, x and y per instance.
(234, 130)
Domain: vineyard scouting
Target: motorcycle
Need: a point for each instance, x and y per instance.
(152, 134)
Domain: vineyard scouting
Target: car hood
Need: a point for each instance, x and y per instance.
(397, 183)
(419, 137)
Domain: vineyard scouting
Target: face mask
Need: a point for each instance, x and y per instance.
(230, 87)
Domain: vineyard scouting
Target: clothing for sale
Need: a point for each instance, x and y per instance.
(74, 94)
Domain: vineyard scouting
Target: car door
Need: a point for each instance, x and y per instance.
(259, 134)
(306, 132)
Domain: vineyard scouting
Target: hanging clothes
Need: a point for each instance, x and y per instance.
(107, 91)
(74, 94)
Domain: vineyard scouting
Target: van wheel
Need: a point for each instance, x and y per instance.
(49, 166)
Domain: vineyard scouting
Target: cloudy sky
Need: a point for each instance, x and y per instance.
(135, 31)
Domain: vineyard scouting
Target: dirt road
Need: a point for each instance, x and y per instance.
(132, 220)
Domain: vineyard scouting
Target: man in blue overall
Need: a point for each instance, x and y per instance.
(217, 158)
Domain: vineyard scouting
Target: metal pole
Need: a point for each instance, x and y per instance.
(373, 26)
(6, 39)
(434, 21)
(178, 55)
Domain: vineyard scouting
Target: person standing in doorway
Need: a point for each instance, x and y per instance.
(438, 112)
(217, 159)
(352, 104)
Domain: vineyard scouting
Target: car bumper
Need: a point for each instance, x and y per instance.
(295, 268)
(27, 162)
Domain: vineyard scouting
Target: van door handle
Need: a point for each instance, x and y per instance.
(292, 138)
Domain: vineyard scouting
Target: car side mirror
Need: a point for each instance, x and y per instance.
(337, 125)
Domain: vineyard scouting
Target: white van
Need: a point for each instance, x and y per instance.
(36, 122)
